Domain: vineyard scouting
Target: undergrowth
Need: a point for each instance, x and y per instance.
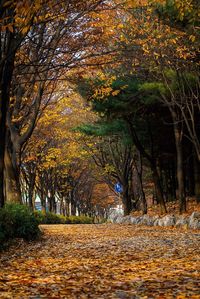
(17, 221)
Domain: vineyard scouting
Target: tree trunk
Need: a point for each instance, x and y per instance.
(2, 146)
(158, 189)
(173, 182)
(73, 204)
(141, 190)
(6, 72)
(43, 202)
(197, 178)
(62, 208)
(179, 168)
(67, 206)
(143, 200)
(126, 200)
(30, 191)
(12, 187)
(190, 184)
(54, 205)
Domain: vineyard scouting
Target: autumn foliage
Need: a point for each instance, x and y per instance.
(99, 93)
(104, 261)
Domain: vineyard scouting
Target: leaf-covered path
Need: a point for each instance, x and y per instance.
(104, 261)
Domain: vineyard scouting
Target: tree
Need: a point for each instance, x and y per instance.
(122, 99)
(157, 44)
(12, 35)
(54, 159)
(56, 38)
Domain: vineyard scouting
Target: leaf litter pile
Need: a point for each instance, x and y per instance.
(103, 261)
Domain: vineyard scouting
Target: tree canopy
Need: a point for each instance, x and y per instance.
(97, 93)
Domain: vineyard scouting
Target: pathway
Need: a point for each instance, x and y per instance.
(104, 261)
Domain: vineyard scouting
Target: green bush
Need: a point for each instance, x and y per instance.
(51, 218)
(17, 221)
(79, 220)
(40, 216)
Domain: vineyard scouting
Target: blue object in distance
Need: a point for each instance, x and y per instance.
(118, 188)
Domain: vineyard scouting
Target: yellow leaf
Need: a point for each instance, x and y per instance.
(10, 28)
(192, 38)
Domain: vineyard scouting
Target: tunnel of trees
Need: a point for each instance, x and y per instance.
(99, 92)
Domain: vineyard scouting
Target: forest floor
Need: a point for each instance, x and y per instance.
(103, 261)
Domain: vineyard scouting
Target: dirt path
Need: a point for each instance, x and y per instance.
(104, 261)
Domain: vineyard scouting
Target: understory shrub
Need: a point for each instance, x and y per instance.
(17, 221)
(79, 220)
(51, 218)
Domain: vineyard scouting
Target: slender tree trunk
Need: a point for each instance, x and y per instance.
(54, 205)
(67, 208)
(142, 197)
(62, 208)
(73, 204)
(158, 189)
(173, 182)
(190, 176)
(43, 202)
(141, 190)
(197, 178)
(2, 147)
(179, 168)
(30, 191)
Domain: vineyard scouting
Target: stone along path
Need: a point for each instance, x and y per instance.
(103, 261)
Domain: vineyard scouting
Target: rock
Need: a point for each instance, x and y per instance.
(139, 220)
(182, 221)
(195, 224)
(147, 220)
(118, 219)
(156, 221)
(194, 220)
(195, 215)
(114, 214)
(126, 219)
(160, 222)
(169, 220)
(133, 220)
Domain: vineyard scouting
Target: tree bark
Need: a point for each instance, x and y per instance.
(197, 178)
(12, 188)
(178, 133)
(158, 189)
(6, 72)
(30, 191)
(73, 203)
(67, 208)
(142, 194)
(43, 203)
(126, 200)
